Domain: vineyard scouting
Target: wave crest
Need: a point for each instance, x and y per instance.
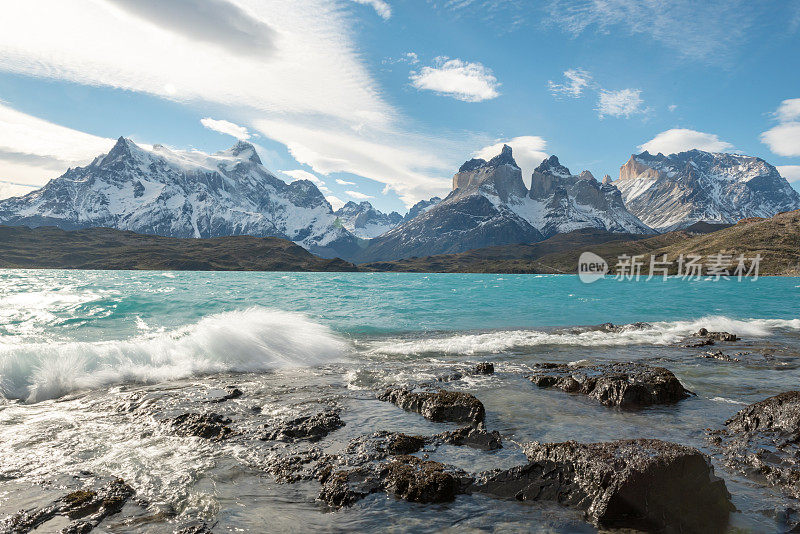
(256, 339)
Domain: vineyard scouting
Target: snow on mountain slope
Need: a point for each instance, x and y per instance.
(364, 221)
(675, 191)
(490, 205)
(183, 194)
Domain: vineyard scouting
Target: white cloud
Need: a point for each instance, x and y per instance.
(414, 167)
(577, 81)
(789, 110)
(681, 140)
(344, 182)
(672, 107)
(33, 151)
(783, 139)
(528, 151)
(312, 67)
(790, 172)
(300, 174)
(382, 8)
(13, 189)
(707, 30)
(226, 127)
(470, 82)
(622, 103)
(358, 196)
(335, 202)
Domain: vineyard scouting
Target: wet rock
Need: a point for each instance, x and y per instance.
(307, 427)
(416, 480)
(697, 343)
(616, 329)
(453, 406)
(406, 477)
(452, 377)
(229, 393)
(716, 336)
(209, 426)
(309, 464)
(473, 437)
(648, 485)
(616, 384)
(483, 368)
(381, 445)
(344, 488)
(718, 355)
(87, 508)
(201, 528)
(763, 441)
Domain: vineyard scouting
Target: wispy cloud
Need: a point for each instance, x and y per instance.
(358, 196)
(784, 139)
(682, 139)
(528, 152)
(622, 103)
(382, 8)
(32, 150)
(470, 82)
(344, 182)
(610, 103)
(707, 30)
(576, 81)
(218, 22)
(226, 127)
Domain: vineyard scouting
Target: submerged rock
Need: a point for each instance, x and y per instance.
(615, 384)
(616, 329)
(202, 425)
(307, 427)
(86, 508)
(716, 336)
(476, 438)
(483, 368)
(641, 484)
(718, 355)
(763, 440)
(453, 406)
(406, 477)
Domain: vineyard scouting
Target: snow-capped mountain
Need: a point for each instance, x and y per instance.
(421, 207)
(675, 191)
(184, 194)
(560, 202)
(490, 205)
(364, 221)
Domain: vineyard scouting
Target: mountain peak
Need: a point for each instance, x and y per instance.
(243, 150)
(553, 167)
(505, 157)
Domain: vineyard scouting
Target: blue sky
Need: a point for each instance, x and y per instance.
(383, 99)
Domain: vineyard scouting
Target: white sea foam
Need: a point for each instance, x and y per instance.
(659, 333)
(255, 339)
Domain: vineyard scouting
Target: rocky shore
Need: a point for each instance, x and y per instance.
(639, 484)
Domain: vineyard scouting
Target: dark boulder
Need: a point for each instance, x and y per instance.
(406, 477)
(483, 368)
(476, 438)
(648, 485)
(716, 336)
(615, 384)
(718, 355)
(453, 406)
(307, 427)
(202, 425)
(763, 440)
(616, 329)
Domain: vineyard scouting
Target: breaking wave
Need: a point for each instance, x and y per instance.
(256, 339)
(657, 333)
